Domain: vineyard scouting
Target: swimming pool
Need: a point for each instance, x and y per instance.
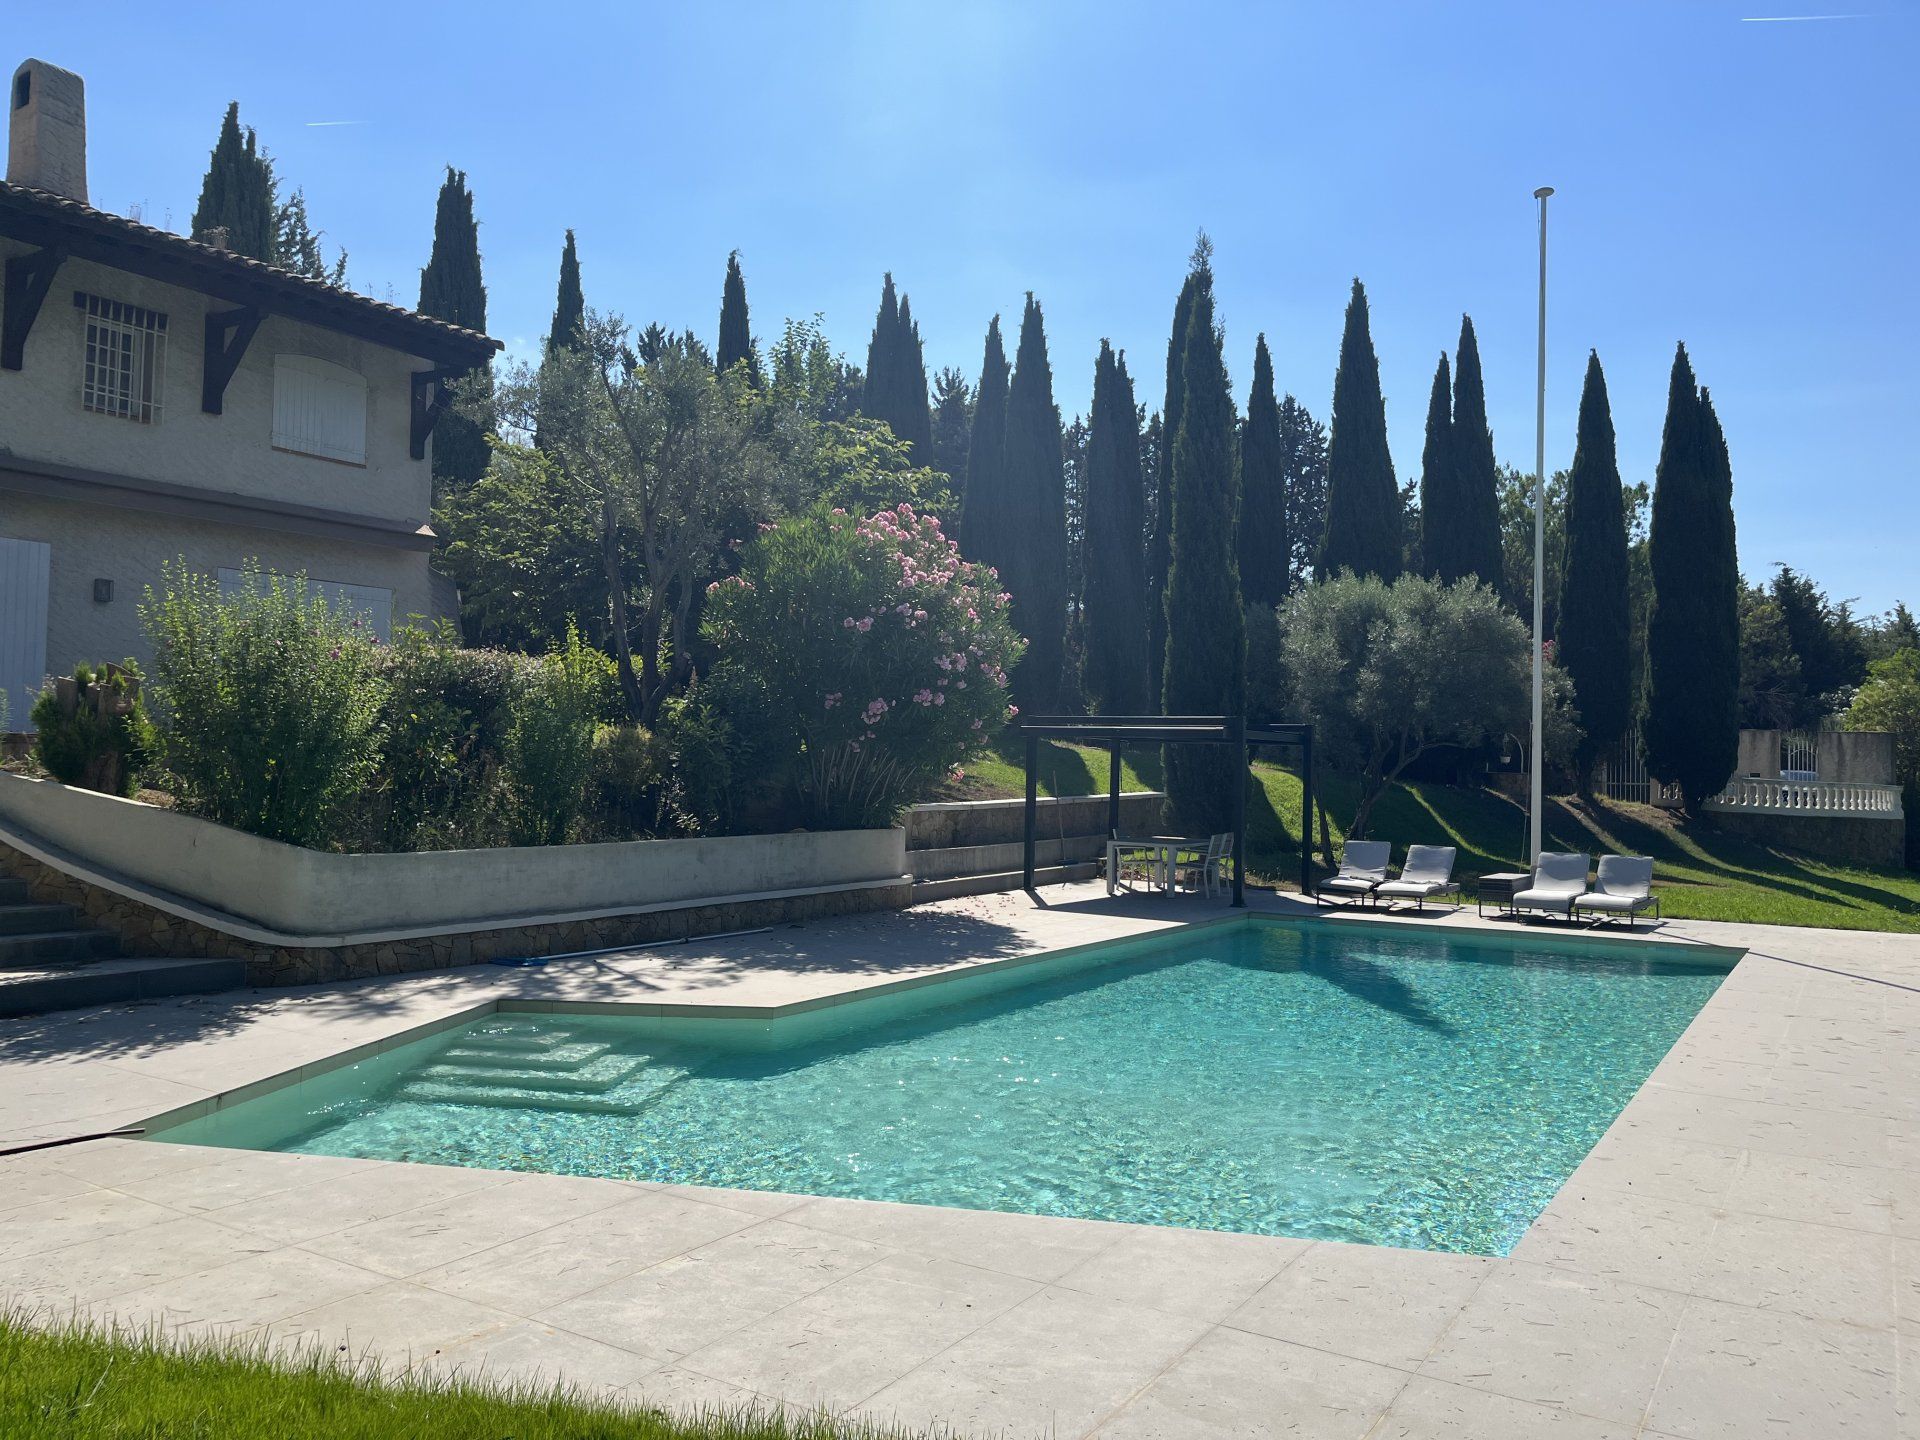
(1343, 1082)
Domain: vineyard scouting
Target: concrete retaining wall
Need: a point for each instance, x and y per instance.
(300, 892)
(999, 822)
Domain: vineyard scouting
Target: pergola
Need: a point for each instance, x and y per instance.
(1114, 732)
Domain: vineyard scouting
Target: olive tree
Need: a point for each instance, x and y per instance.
(671, 460)
(1389, 671)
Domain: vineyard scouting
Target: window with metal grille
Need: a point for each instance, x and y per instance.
(126, 359)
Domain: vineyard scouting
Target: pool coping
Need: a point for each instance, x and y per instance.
(1740, 1251)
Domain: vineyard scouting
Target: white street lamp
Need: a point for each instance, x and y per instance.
(1537, 809)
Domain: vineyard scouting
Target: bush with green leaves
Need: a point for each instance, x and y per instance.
(556, 706)
(91, 729)
(1890, 701)
(865, 655)
(268, 700)
(444, 723)
(1389, 671)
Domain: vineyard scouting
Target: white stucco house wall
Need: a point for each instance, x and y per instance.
(163, 399)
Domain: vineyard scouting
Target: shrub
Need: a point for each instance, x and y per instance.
(445, 721)
(625, 781)
(549, 743)
(269, 701)
(92, 729)
(865, 654)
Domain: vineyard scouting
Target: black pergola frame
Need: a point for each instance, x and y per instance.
(1113, 732)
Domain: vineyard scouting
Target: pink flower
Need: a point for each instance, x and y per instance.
(865, 624)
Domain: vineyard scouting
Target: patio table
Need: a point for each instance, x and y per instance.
(1167, 850)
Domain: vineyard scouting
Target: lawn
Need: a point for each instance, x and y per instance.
(79, 1384)
(1701, 873)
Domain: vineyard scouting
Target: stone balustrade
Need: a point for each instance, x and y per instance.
(1751, 795)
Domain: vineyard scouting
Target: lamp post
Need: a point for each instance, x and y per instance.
(1537, 808)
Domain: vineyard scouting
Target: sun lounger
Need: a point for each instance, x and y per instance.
(1427, 875)
(1363, 869)
(1622, 886)
(1559, 879)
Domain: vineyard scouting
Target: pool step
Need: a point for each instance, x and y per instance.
(511, 1035)
(553, 1057)
(527, 1097)
(592, 1076)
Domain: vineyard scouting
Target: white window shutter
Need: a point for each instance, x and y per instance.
(319, 408)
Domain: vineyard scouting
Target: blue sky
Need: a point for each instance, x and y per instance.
(1747, 187)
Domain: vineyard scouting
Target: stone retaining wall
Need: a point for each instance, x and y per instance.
(1851, 839)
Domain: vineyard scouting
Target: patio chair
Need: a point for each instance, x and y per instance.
(1205, 870)
(1363, 870)
(1559, 879)
(1136, 864)
(1427, 875)
(1623, 885)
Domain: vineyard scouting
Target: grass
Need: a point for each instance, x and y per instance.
(80, 1383)
(1701, 873)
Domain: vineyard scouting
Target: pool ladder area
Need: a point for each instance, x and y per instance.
(524, 1066)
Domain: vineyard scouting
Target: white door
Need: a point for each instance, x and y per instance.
(23, 626)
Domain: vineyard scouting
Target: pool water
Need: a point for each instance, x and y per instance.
(1328, 1082)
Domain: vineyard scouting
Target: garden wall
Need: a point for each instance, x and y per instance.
(1850, 839)
(170, 884)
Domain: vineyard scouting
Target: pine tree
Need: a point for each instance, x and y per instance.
(1206, 657)
(1034, 569)
(1693, 671)
(1437, 474)
(451, 289)
(952, 428)
(736, 341)
(1364, 512)
(1593, 635)
(1472, 532)
(568, 330)
(984, 522)
(1118, 677)
(296, 244)
(896, 384)
(1303, 457)
(1264, 571)
(1160, 544)
(237, 195)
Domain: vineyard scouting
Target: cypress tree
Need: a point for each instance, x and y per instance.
(1693, 673)
(1438, 476)
(569, 303)
(237, 194)
(1722, 565)
(1474, 530)
(451, 289)
(1263, 491)
(1593, 636)
(1118, 678)
(1160, 544)
(1206, 655)
(1035, 568)
(896, 384)
(983, 512)
(1364, 519)
(569, 328)
(736, 341)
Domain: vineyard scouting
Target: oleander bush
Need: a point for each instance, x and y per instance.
(557, 704)
(862, 658)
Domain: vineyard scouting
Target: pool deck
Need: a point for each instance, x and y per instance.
(1738, 1257)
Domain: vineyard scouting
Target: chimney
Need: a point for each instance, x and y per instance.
(47, 130)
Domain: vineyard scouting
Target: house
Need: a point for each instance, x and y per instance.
(163, 398)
